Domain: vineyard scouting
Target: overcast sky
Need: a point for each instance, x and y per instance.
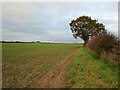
(49, 21)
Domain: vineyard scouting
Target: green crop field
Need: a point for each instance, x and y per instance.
(25, 63)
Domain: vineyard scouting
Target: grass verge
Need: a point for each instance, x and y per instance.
(86, 70)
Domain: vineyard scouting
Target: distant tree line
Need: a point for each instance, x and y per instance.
(38, 42)
(20, 42)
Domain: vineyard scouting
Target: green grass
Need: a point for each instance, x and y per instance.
(86, 70)
(25, 63)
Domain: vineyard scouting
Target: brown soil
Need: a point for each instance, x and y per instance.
(55, 78)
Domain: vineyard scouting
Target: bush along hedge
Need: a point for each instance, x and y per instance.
(103, 45)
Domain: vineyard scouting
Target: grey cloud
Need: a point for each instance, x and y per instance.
(50, 21)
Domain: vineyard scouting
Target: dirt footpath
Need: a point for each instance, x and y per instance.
(55, 78)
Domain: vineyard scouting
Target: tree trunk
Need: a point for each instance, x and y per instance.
(85, 42)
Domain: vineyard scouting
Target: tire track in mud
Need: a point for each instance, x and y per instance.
(55, 78)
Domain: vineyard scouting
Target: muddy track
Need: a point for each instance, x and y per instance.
(55, 78)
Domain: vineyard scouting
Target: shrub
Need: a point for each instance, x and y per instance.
(103, 45)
